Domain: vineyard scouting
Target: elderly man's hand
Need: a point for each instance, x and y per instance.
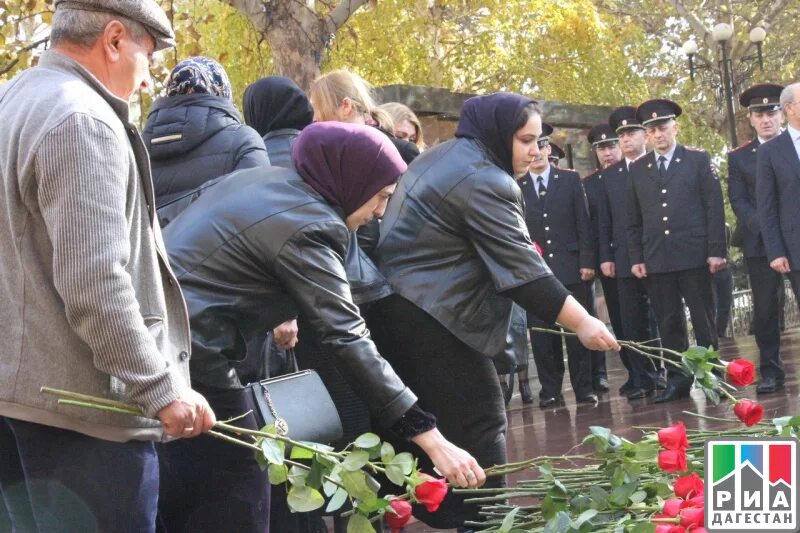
(285, 335)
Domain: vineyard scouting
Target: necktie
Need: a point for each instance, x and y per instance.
(542, 188)
(662, 163)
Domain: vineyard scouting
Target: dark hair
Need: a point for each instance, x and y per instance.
(525, 115)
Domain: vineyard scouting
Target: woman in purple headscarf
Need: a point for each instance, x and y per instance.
(455, 248)
(252, 252)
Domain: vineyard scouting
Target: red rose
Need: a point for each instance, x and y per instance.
(672, 507)
(688, 486)
(693, 517)
(399, 518)
(672, 460)
(694, 501)
(669, 528)
(740, 372)
(698, 529)
(673, 437)
(749, 412)
(431, 492)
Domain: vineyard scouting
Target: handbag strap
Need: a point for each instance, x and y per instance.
(292, 359)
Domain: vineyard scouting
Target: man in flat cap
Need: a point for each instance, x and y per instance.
(676, 235)
(615, 262)
(766, 117)
(605, 145)
(558, 220)
(89, 303)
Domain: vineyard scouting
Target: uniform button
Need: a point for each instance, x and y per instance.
(663, 191)
(665, 219)
(666, 232)
(183, 356)
(550, 255)
(664, 204)
(545, 215)
(549, 242)
(547, 228)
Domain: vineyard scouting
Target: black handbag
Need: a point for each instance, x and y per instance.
(299, 406)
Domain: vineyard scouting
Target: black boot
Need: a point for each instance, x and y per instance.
(525, 391)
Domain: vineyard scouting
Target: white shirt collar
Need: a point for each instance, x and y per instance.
(545, 177)
(793, 133)
(668, 155)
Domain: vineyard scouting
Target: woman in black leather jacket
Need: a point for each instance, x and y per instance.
(455, 248)
(253, 251)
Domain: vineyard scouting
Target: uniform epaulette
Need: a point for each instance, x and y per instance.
(743, 145)
(592, 174)
(641, 156)
(694, 148)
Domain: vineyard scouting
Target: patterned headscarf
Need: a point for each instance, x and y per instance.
(199, 75)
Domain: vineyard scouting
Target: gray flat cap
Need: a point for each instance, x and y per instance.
(146, 12)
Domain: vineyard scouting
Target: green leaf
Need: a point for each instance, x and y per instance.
(273, 451)
(600, 431)
(696, 353)
(387, 452)
(395, 475)
(373, 505)
(643, 527)
(316, 474)
(621, 494)
(355, 460)
(585, 517)
(599, 496)
(338, 499)
(508, 521)
(638, 497)
(712, 395)
(297, 476)
(278, 474)
(558, 524)
(357, 485)
(304, 499)
(367, 440)
(546, 470)
(405, 461)
(359, 523)
(579, 504)
(300, 453)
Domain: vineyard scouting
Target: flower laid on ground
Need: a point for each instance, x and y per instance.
(672, 460)
(673, 437)
(740, 372)
(398, 515)
(689, 486)
(749, 412)
(430, 492)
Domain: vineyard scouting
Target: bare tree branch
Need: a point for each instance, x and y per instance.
(27, 48)
(341, 13)
(253, 10)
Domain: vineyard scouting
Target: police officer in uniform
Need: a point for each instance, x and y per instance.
(676, 235)
(605, 145)
(766, 117)
(556, 154)
(558, 220)
(615, 262)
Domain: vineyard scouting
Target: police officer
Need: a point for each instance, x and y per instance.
(605, 145)
(556, 154)
(676, 235)
(766, 117)
(615, 262)
(558, 220)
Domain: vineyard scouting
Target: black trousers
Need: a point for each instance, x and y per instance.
(55, 480)
(667, 293)
(635, 310)
(765, 284)
(611, 293)
(209, 485)
(599, 369)
(723, 297)
(548, 355)
(452, 381)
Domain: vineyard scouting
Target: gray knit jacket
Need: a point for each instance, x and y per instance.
(88, 302)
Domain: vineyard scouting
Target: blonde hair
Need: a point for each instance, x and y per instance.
(400, 112)
(329, 91)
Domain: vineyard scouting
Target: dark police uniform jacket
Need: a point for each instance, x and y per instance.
(453, 238)
(742, 194)
(613, 227)
(251, 252)
(675, 221)
(559, 223)
(778, 198)
(598, 210)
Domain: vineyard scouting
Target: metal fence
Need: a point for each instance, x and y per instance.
(742, 311)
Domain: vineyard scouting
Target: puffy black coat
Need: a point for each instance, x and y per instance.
(250, 253)
(192, 139)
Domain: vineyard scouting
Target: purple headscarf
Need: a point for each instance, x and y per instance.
(346, 163)
(492, 120)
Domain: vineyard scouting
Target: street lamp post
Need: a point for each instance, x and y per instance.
(721, 34)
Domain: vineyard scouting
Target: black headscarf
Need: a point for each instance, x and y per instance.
(492, 119)
(346, 163)
(275, 103)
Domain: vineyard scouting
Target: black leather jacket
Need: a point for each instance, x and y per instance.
(279, 147)
(252, 252)
(454, 237)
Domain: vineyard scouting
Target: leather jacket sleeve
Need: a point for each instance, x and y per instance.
(495, 224)
(311, 267)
